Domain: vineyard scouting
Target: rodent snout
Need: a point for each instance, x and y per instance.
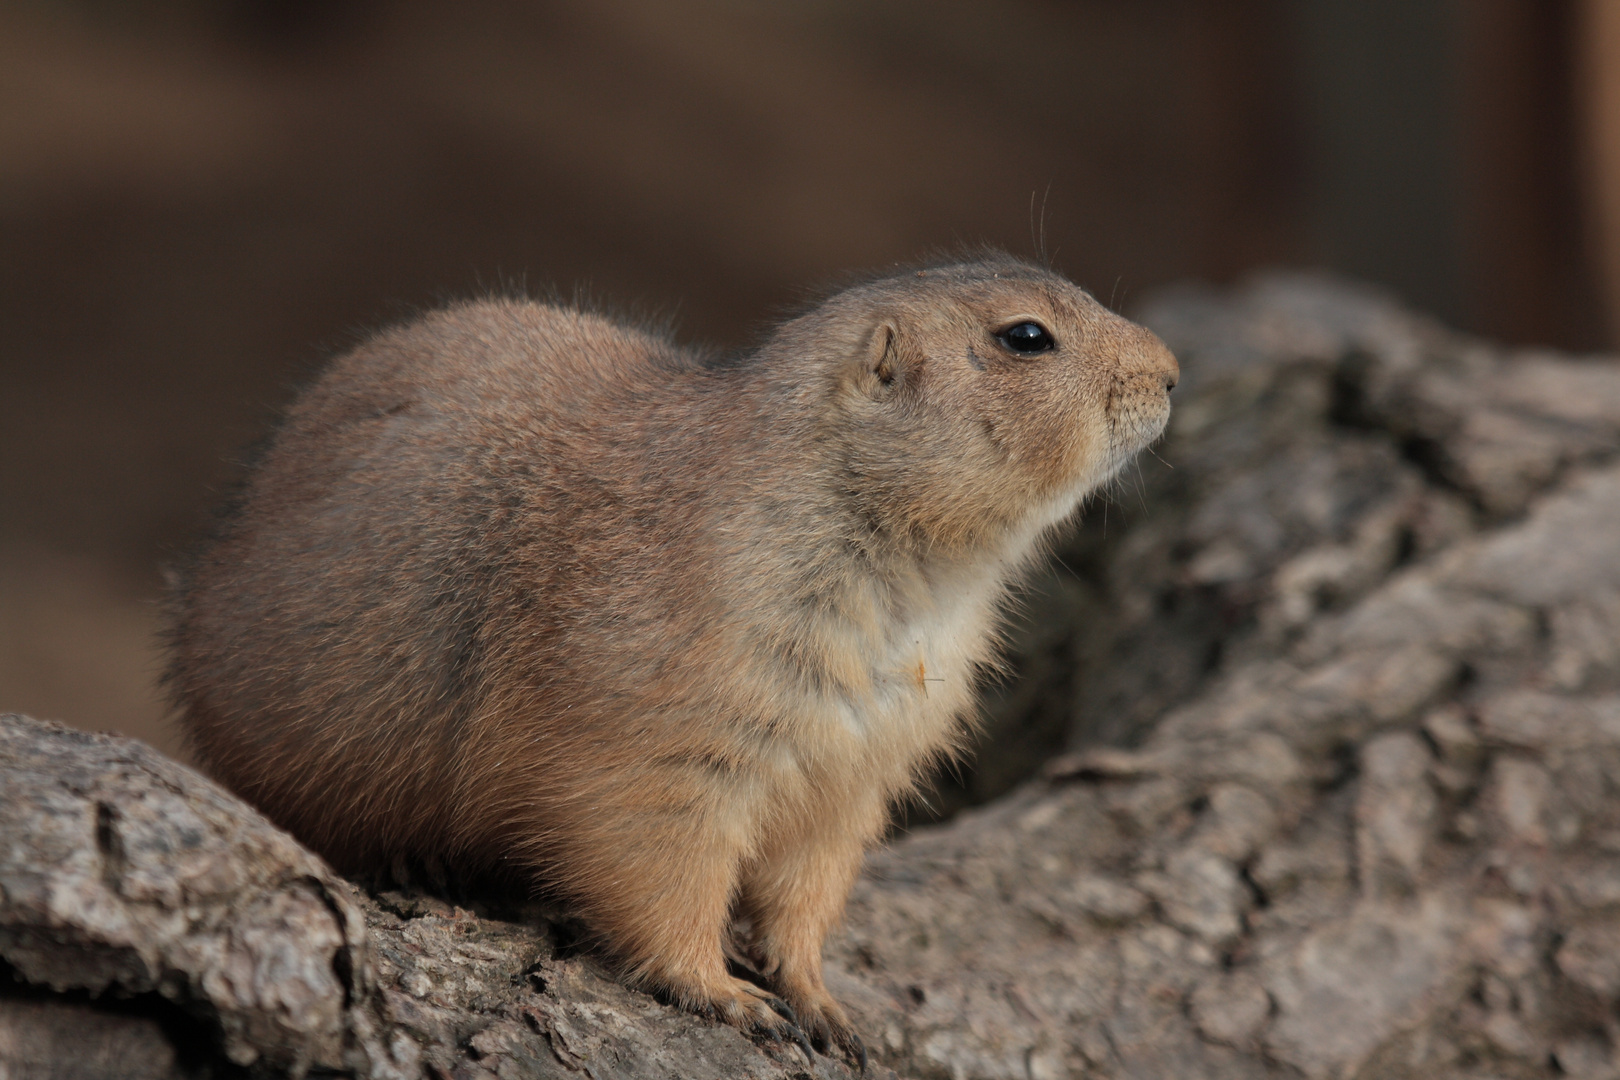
(1147, 359)
(1169, 369)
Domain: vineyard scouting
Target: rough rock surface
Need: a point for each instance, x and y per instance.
(147, 916)
(165, 908)
(1367, 823)
(1341, 704)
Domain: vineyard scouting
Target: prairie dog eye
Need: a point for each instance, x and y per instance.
(1026, 338)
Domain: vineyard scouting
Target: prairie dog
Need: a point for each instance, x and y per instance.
(516, 586)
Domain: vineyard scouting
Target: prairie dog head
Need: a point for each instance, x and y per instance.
(988, 397)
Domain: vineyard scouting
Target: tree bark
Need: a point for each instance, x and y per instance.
(1335, 710)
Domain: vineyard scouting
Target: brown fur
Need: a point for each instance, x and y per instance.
(516, 586)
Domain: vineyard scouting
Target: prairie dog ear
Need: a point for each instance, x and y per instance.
(883, 366)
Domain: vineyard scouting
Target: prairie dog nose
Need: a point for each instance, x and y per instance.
(1162, 360)
(1143, 354)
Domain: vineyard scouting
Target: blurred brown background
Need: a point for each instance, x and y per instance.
(200, 199)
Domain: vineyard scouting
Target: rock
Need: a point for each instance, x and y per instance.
(1521, 794)
(190, 922)
(1590, 957)
(1108, 901)
(1353, 984)
(1238, 822)
(125, 874)
(1537, 720)
(50, 1038)
(1232, 1008)
(1563, 553)
(1586, 640)
(1313, 771)
(1201, 893)
(1589, 1057)
(1360, 811)
(1395, 814)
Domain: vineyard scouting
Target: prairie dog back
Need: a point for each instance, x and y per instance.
(516, 586)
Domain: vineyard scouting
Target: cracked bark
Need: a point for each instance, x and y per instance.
(1335, 710)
